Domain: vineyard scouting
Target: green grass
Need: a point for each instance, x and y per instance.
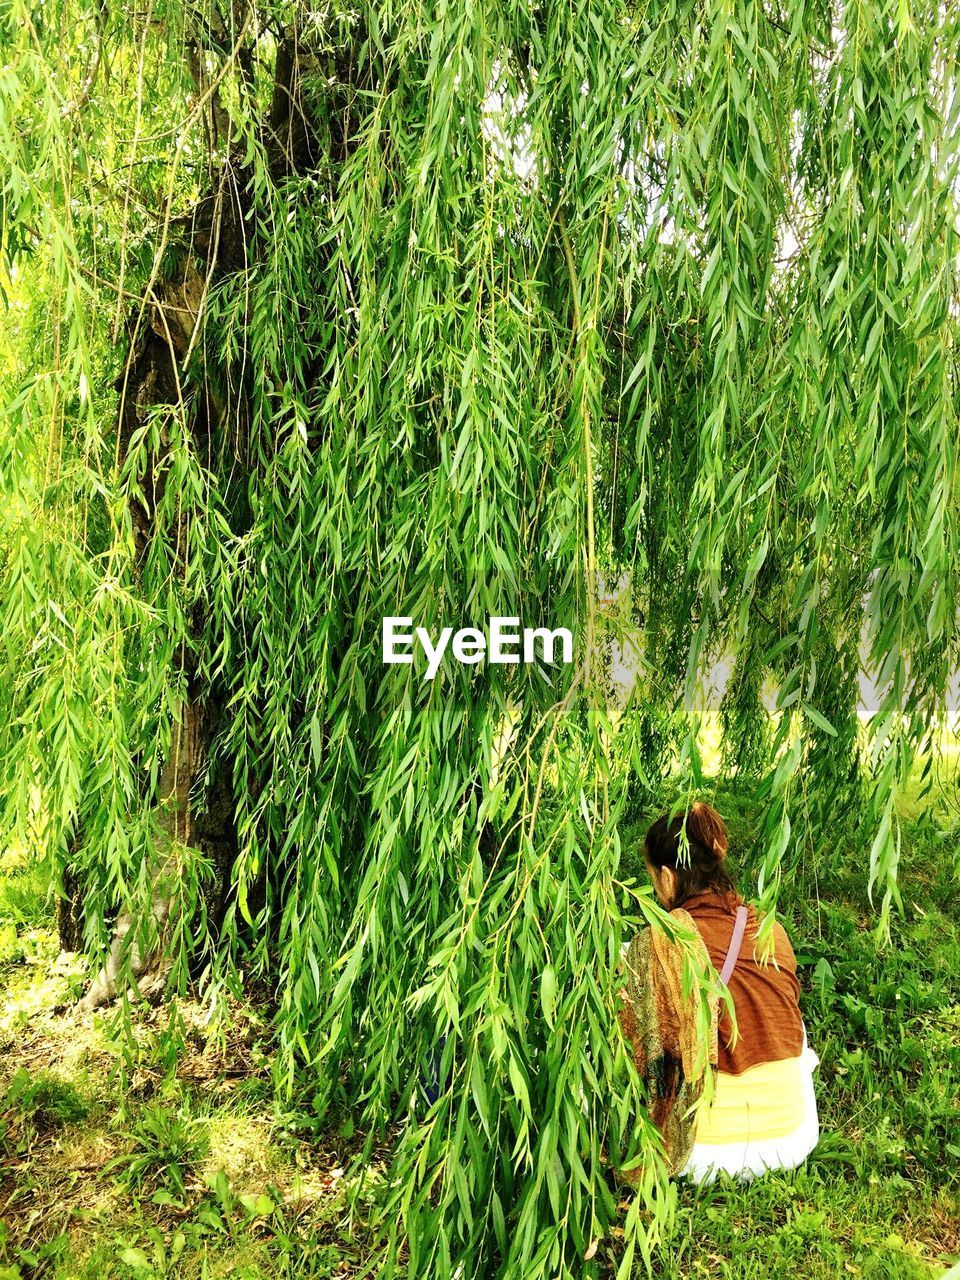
(176, 1164)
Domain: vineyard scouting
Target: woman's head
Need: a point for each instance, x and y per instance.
(678, 873)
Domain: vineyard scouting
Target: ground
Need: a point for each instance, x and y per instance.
(135, 1159)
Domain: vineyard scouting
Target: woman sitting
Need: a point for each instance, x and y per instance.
(763, 1113)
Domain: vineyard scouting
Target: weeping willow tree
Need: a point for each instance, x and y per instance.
(316, 315)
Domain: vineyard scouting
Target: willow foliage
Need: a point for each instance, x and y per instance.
(318, 315)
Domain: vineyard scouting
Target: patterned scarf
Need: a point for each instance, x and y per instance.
(659, 1018)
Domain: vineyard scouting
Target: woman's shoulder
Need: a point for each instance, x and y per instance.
(649, 939)
(637, 940)
(781, 953)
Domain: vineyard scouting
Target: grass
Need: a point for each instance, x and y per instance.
(172, 1162)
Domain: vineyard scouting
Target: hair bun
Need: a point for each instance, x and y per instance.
(708, 829)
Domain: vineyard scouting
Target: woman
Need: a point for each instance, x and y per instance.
(763, 1113)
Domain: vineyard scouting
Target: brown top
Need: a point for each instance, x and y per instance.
(765, 996)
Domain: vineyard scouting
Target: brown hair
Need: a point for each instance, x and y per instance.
(700, 869)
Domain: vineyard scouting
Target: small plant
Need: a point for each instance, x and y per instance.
(166, 1146)
(48, 1100)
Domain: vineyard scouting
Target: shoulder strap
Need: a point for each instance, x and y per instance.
(736, 941)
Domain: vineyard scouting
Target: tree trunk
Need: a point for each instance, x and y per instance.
(219, 238)
(176, 781)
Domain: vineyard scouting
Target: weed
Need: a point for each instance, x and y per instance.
(166, 1146)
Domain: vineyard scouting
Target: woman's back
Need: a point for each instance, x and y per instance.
(765, 996)
(763, 1114)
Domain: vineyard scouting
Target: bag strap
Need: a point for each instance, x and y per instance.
(736, 941)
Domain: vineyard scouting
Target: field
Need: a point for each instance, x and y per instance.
(129, 1158)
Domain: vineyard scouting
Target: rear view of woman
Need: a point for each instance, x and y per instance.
(763, 1114)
